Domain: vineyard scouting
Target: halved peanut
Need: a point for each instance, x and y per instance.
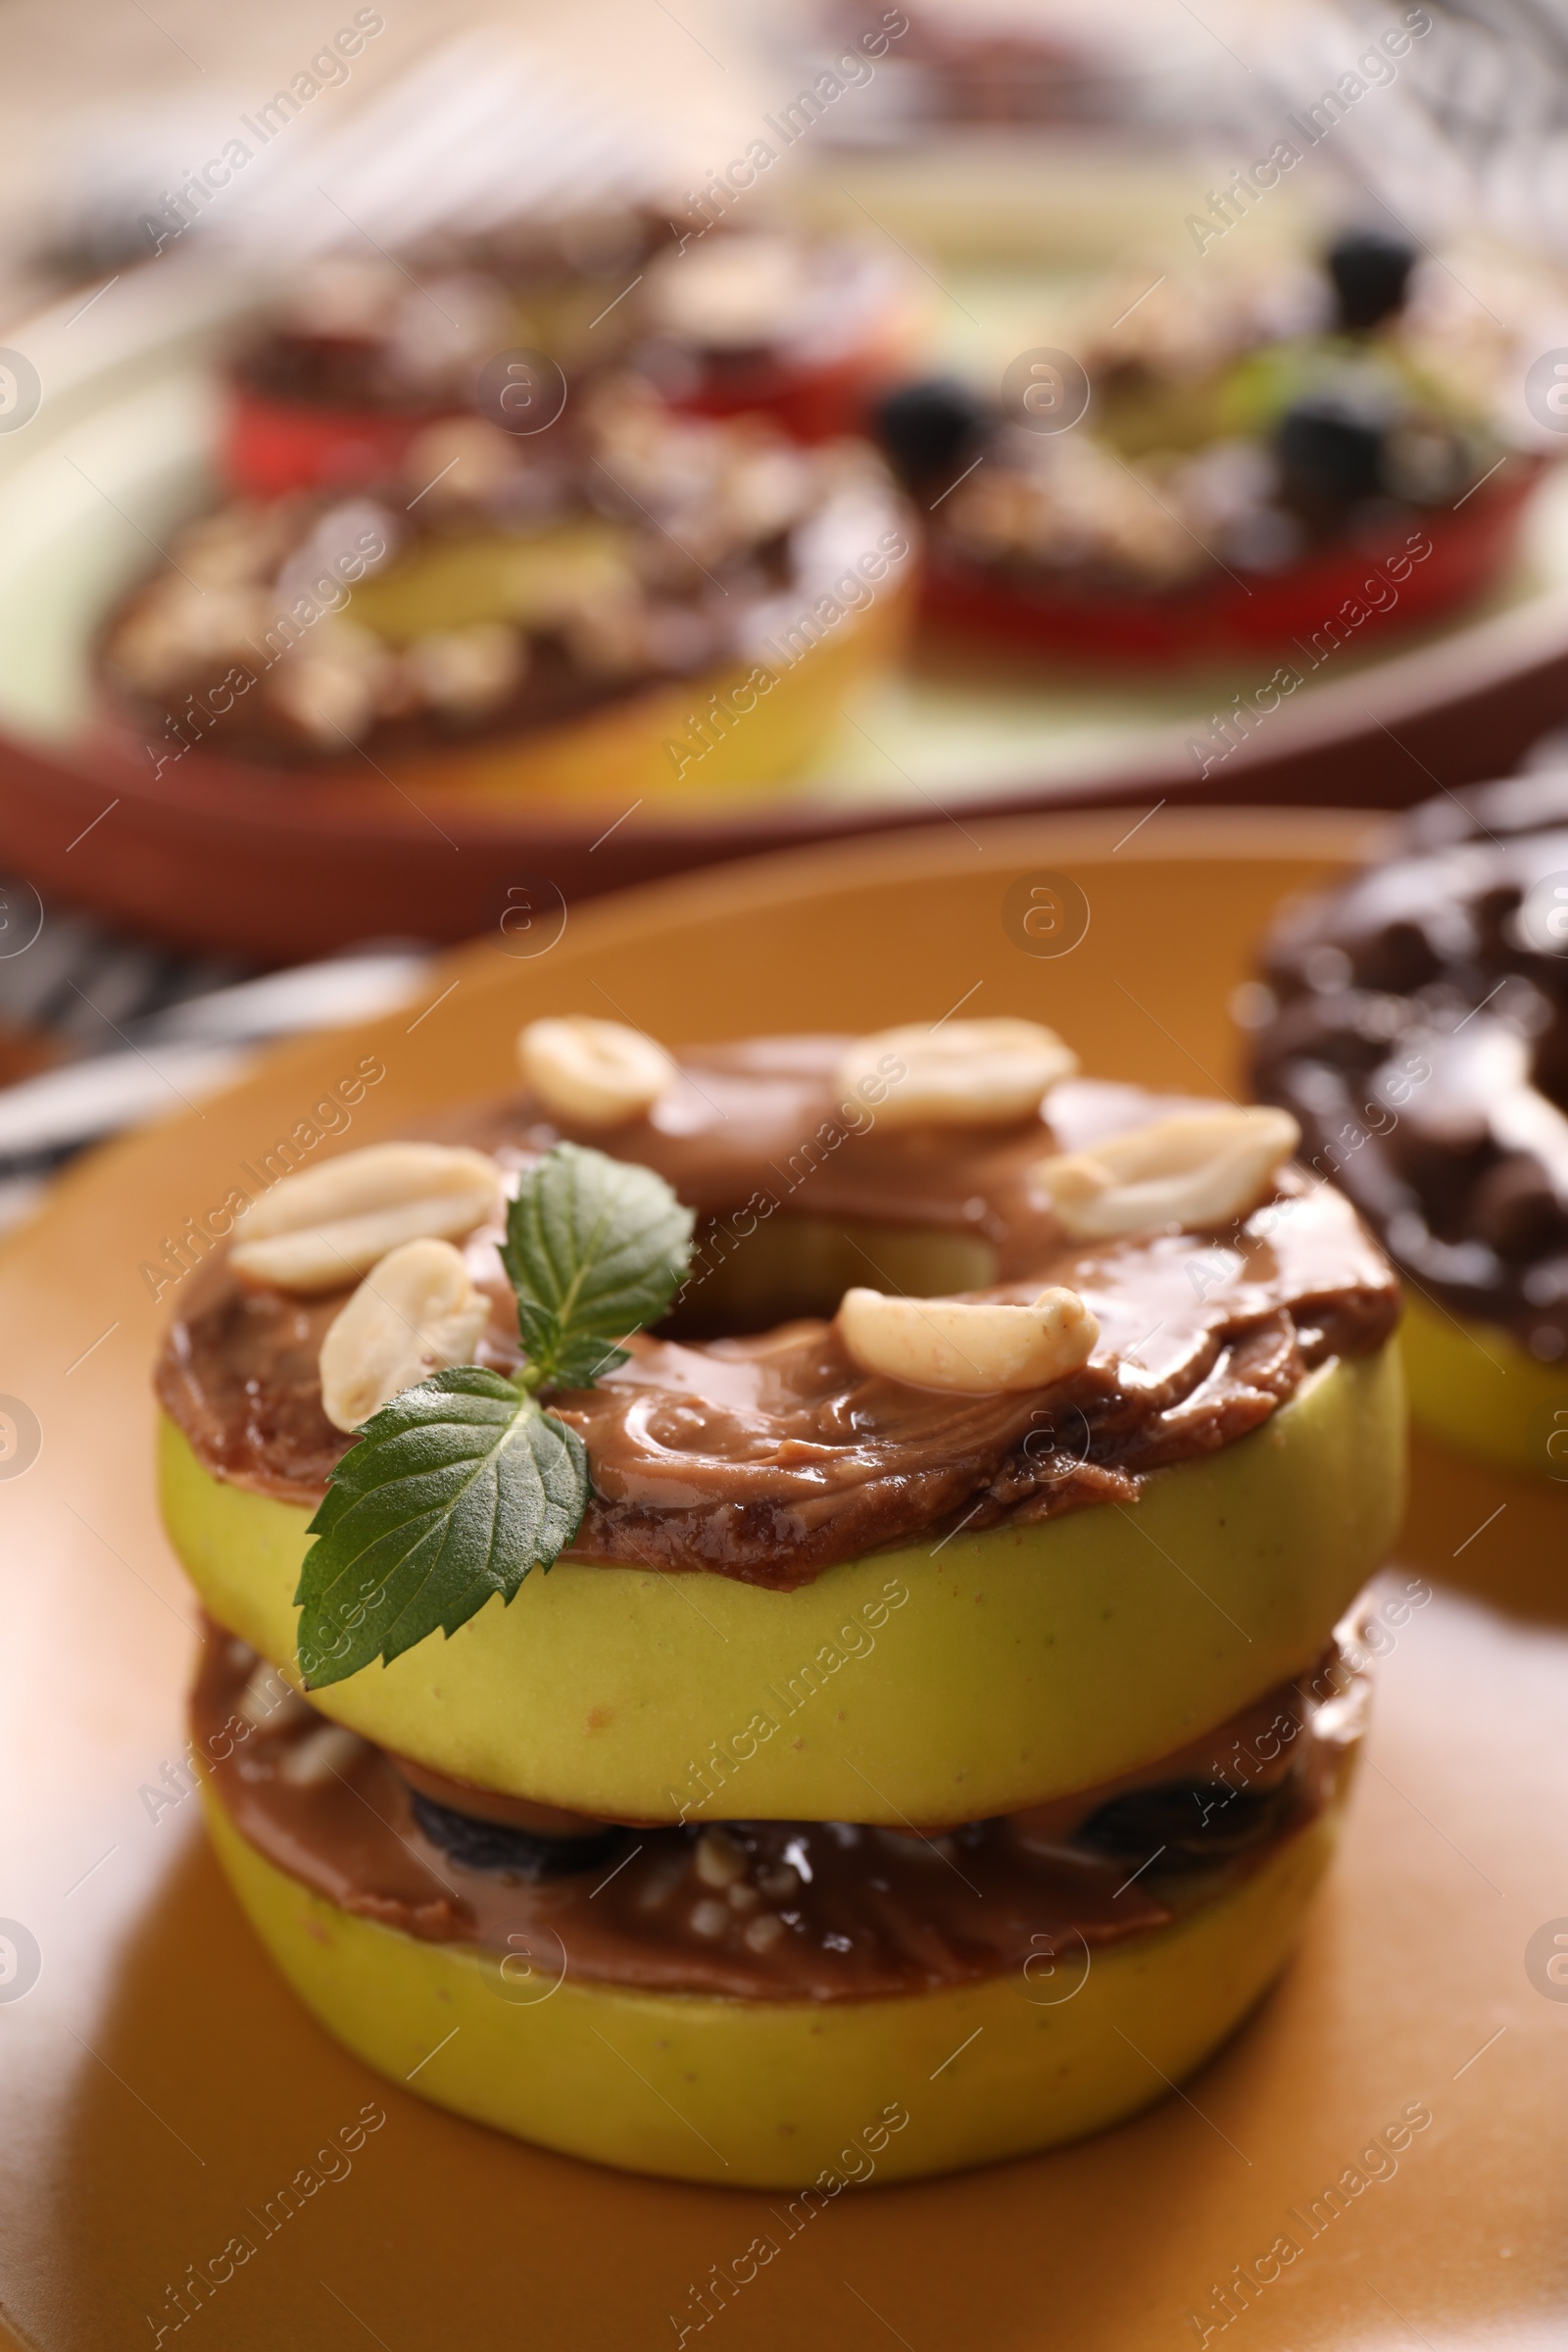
(317, 1231)
(959, 1074)
(596, 1073)
(1199, 1168)
(413, 1313)
(971, 1347)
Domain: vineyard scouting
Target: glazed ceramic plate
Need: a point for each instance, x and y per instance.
(161, 2084)
(221, 854)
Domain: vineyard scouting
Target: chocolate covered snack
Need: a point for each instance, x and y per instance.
(1416, 1024)
(923, 1627)
(489, 600)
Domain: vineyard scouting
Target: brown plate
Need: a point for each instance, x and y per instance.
(161, 2084)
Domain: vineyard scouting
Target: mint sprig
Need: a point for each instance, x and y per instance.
(595, 1249)
(459, 1486)
(456, 1490)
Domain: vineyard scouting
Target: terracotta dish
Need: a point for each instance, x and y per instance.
(165, 2089)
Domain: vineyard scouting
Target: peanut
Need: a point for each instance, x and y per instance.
(469, 671)
(1199, 1168)
(719, 1860)
(320, 1229)
(413, 1313)
(596, 1073)
(973, 1348)
(959, 1074)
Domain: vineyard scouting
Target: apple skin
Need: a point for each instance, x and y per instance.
(939, 1682)
(776, 2094)
(774, 717)
(1473, 1387)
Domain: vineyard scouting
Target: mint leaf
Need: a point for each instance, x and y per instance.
(594, 1248)
(453, 1492)
(458, 1487)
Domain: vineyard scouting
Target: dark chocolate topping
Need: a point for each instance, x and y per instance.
(770, 1457)
(1419, 1031)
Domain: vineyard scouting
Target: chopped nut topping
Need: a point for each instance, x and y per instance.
(469, 671)
(720, 1861)
(459, 458)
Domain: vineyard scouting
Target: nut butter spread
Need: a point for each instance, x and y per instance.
(772, 1910)
(767, 1455)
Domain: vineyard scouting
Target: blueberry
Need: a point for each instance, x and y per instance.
(930, 428)
(1331, 446)
(1185, 1820)
(1371, 273)
(489, 1845)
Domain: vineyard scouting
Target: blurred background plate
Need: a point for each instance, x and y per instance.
(161, 2084)
(218, 855)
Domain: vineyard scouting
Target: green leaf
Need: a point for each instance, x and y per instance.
(594, 1248)
(458, 1487)
(453, 1492)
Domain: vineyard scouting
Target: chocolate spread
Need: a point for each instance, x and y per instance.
(1417, 1025)
(769, 1457)
(772, 1910)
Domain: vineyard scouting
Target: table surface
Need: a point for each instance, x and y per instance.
(162, 2084)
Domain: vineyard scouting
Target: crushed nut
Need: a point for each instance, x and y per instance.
(464, 457)
(660, 1880)
(1198, 1169)
(720, 1861)
(974, 1348)
(760, 1934)
(469, 671)
(709, 1919)
(333, 686)
(176, 621)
